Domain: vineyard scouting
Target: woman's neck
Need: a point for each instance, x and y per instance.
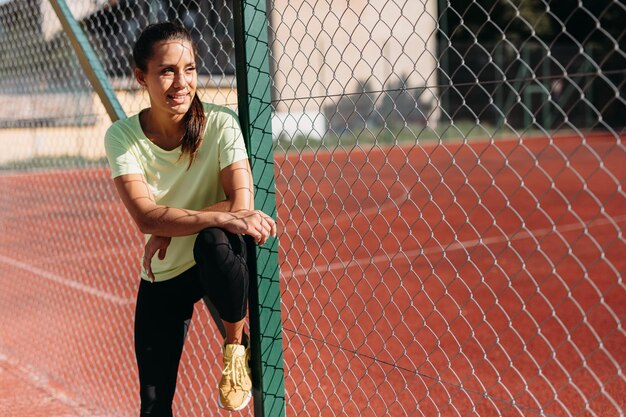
(164, 131)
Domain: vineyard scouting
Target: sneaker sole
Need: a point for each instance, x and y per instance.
(241, 407)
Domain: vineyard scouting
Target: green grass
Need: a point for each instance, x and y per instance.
(364, 138)
(53, 162)
(400, 135)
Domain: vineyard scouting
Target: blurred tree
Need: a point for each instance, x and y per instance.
(589, 22)
(563, 21)
(354, 111)
(487, 21)
(492, 39)
(402, 104)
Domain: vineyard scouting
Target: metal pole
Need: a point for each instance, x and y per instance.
(253, 92)
(88, 60)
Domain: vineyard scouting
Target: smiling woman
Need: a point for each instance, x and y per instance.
(181, 169)
(170, 78)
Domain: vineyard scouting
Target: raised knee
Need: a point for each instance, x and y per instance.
(210, 241)
(211, 236)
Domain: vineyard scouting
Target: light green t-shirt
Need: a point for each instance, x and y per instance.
(129, 151)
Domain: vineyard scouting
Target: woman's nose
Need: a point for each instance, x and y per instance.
(179, 79)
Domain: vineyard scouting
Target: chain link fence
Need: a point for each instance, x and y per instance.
(449, 194)
(69, 252)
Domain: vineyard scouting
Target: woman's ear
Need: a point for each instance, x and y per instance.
(139, 75)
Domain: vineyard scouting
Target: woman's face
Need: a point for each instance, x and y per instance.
(171, 77)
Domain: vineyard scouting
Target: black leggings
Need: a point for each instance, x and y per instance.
(164, 310)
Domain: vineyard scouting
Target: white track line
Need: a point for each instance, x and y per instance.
(320, 268)
(66, 281)
(466, 244)
(388, 204)
(47, 172)
(40, 380)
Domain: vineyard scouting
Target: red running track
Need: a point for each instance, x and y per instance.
(456, 280)
(466, 279)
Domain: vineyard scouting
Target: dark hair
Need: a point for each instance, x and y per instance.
(194, 119)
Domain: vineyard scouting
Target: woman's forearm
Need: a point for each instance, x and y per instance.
(170, 221)
(236, 203)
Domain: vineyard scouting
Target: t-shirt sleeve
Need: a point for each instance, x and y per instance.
(118, 152)
(232, 146)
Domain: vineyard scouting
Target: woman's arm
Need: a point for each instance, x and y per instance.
(237, 183)
(156, 219)
(236, 180)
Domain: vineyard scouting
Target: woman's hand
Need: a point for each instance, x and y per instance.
(250, 222)
(155, 244)
(245, 222)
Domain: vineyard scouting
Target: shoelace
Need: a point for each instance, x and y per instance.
(235, 368)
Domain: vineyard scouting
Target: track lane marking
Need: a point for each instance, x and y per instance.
(112, 298)
(319, 268)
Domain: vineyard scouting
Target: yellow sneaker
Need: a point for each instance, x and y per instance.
(235, 386)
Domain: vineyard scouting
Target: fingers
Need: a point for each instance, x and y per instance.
(150, 274)
(147, 263)
(254, 223)
(262, 238)
(155, 244)
(272, 225)
(266, 228)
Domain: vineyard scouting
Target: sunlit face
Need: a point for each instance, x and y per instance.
(171, 77)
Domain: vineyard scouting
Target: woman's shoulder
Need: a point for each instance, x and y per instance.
(218, 112)
(122, 128)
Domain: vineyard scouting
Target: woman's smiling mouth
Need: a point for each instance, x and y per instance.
(178, 98)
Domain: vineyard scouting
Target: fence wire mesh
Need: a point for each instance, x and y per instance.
(450, 200)
(450, 195)
(68, 251)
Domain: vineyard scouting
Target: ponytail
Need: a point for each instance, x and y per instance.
(194, 122)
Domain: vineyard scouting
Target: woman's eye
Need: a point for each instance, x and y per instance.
(190, 69)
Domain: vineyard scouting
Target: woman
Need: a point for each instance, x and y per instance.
(181, 169)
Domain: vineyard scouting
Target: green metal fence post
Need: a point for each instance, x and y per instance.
(253, 91)
(88, 60)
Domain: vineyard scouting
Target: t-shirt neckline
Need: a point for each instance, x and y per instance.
(145, 137)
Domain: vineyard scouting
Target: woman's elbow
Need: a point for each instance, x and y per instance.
(150, 220)
(145, 225)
